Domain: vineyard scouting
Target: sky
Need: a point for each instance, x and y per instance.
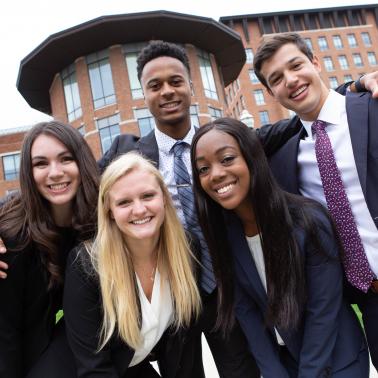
(24, 24)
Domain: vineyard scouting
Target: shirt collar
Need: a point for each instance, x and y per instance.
(331, 111)
(165, 142)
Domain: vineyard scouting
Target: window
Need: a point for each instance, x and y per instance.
(242, 101)
(252, 76)
(343, 61)
(71, 93)
(249, 56)
(207, 75)
(357, 60)
(323, 44)
(264, 117)
(81, 130)
(100, 75)
(333, 82)
(109, 129)
(215, 113)
(328, 63)
(352, 40)
(259, 97)
(309, 43)
(347, 78)
(145, 119)
(11, 166)
(194, 120)
(131, 62)
(337, 41)
(372, 58)
(366, 39)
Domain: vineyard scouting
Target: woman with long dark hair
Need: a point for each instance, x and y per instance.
(54, 210)
(276, 260)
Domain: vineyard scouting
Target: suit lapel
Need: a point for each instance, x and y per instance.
(148, 147)
(357, 114)
(244, 259)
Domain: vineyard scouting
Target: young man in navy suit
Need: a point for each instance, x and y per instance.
(291, 74)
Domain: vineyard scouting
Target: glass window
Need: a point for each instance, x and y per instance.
(323, 44)
(333, 82)
(309, 43)
(242, 101)
(109, 129)
(249, 56)
(81, 130)
(100, 75)
(215, 113)
(352, 40)
(366, 39)
(372, 58)
(259, 97)
(71, 93)
(207, 75)
(343, 61)
(264, 117)
(347, 78)
(337, 41)
(146, 121)
(11, 167)
(252, 76)
(357, 60)
(194, 120)
(328, 63)
(131, 62)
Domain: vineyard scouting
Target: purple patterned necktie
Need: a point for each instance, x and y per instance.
(356, 265)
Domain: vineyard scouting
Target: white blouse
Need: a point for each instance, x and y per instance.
(157, 316)
(254, 244)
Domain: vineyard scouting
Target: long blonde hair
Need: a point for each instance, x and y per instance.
(113, 263)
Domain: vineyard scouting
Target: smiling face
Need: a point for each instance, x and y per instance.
(138, 207)
(55, 171)
(294, 81)
(223, 171)
(166, 86)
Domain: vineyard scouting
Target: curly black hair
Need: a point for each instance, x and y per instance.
(156, 49)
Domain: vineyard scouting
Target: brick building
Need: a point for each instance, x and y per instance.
(86, 75)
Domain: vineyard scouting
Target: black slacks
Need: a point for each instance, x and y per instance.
(231, 355)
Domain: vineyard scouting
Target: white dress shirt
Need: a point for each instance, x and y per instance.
(157, 316)
(166, 163)
(334, 114)
(254, 244)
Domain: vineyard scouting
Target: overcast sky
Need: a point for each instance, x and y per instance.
(25, 24)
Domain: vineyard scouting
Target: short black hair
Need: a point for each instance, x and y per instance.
(156, 49)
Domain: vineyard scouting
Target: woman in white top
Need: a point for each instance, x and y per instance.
(286, 268)
(132, 291)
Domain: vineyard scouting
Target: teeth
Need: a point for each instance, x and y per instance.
(170, 105)
(58, 186)
(141, 221)
(225, 189)
(298, 91)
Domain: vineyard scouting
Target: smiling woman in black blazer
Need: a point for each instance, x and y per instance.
(286, 265)
(54, 210)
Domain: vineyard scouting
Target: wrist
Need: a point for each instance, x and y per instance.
(359, 85)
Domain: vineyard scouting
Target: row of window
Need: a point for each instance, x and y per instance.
(344, 64)
(338, 41)
(101, 79)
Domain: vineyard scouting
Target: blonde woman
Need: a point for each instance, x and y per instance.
(133, 291)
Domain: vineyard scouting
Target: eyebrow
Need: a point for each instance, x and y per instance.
(221, 149)
(288, 62)
(59, 155)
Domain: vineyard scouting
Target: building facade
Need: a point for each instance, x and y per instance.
(86, 75)
(344, 38)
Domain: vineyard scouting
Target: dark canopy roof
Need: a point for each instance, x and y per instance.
(37, 69)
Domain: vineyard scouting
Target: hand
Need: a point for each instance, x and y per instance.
(3, 265)
(370, 82)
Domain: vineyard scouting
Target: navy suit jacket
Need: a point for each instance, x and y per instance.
(328, 338)
(362, 114)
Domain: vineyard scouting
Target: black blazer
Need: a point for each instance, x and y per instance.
(272, 137)
(362, 114)
(27, 314)
(176, 352)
